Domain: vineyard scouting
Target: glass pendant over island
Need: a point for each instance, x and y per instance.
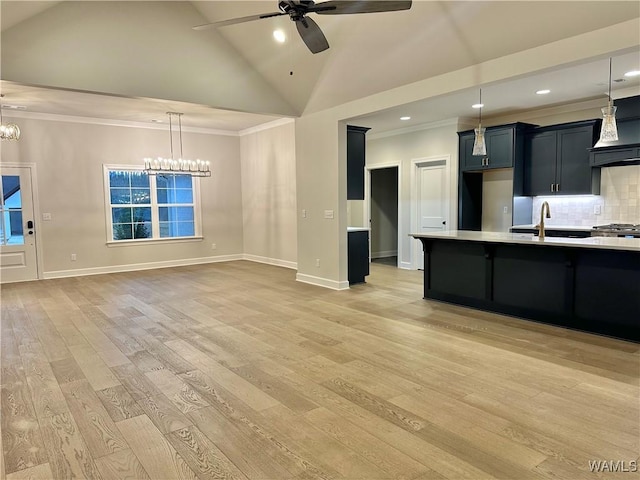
(609, 131)
(479, 145)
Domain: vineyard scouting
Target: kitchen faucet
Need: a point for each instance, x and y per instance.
(540, 226)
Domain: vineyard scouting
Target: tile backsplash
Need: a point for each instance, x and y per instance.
(618, 201)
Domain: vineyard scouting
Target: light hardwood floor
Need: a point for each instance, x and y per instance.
(237, 371)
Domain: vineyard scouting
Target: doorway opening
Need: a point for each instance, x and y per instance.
(383, 215)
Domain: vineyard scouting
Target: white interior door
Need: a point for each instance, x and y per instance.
(18, 261)
(432, 202)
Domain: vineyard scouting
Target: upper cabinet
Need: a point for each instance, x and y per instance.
(355, 161)
(501, 144)
(556, 160)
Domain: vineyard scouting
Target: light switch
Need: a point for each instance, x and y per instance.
(328, 214)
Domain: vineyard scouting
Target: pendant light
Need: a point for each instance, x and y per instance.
(196, 168)
(8, 131)
(479, 147)
(609, 131)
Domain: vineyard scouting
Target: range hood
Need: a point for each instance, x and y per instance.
(625, 150)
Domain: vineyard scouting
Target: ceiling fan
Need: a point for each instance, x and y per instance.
(309, 30)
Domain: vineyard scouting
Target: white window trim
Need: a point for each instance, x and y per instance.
(197, 214)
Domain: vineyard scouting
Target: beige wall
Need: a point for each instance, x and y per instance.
(269, 194)
(69, 160)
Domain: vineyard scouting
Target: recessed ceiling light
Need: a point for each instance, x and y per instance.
(543, 92)
(279, 36)
(632, 73)
(405, 118)
(477, 105)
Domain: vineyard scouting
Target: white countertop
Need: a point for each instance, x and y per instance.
(608, 243)
(568, 228)
(357, 229)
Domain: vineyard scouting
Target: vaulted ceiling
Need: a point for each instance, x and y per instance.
(143, 58)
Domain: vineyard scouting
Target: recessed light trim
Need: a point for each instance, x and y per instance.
(477, 105)
(632, 73)
(405, 118)
(279, 36)
(544, 91)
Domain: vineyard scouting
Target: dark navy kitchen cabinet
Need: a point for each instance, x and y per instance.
(556, 160)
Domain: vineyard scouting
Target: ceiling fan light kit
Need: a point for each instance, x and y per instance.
(309, 30)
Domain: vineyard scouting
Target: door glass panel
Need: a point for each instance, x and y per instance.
(11, 223)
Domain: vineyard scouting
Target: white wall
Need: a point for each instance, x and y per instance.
(432, 143)
(69, 160)
(269, 194)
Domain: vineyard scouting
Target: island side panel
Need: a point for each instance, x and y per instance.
(607, 290)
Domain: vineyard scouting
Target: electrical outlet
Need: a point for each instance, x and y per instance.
(505, 209)
(328, 214)
(304, 213)
(213, 246)
(317, 262)
(73, 257)
(597, 209)
(46, 216)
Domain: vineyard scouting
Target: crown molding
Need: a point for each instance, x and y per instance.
(55, 117)
(414, 128)
(266, 126)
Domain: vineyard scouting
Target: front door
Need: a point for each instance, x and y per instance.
(18, 260)
(432, 203)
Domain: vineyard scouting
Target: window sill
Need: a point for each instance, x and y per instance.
(129, 243)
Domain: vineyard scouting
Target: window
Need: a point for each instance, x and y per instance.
(147, 207)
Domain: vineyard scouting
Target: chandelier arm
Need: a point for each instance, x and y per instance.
(170, 135)
(180, 129)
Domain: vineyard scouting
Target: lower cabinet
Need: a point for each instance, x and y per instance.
(358, 252)
(591, 289)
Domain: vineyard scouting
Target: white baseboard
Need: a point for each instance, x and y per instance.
(322, 282)
(405, 265)
(139, 266)
(271, 261)
(384, 254)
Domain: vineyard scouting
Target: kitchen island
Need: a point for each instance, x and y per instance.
(590, 284)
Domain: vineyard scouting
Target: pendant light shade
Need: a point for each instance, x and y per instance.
(609, 131)
(479, 145)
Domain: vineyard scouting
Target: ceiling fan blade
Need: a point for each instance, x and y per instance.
(340, 7)
(234, 21)
(311, 34)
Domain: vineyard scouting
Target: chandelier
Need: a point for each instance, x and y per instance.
(8, 131)
(160, 165)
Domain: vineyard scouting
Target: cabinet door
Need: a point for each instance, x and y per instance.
(358, 256)
(499, 148)
(355, 162)
(540, 163)
(573, 174)
(468, 161)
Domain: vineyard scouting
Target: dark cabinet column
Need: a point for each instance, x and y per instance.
(355, 162)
